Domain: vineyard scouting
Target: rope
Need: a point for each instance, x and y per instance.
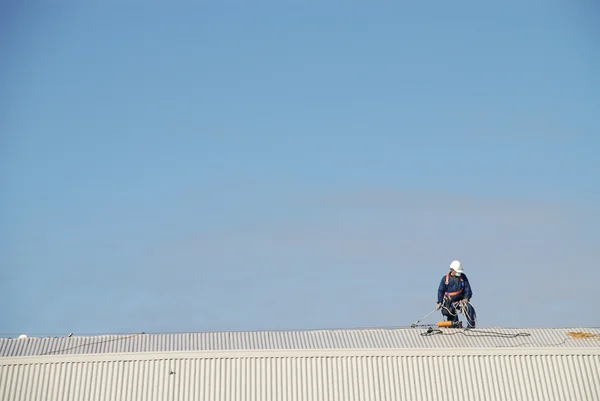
(474, 333)
(461, 307)
(415, 323)
(91, 343)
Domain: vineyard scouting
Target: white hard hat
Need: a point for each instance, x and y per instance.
(456, 266)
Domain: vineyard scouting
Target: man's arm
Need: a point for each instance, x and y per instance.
(441, 290)
(468, 291)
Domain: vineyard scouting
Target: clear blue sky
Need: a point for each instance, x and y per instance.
(169, 166)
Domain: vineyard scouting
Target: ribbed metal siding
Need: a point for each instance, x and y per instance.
(317, 339)
(365, 378)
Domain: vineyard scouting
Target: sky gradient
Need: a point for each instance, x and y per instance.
(173, 167)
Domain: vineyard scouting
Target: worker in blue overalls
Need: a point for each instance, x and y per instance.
(454, 294)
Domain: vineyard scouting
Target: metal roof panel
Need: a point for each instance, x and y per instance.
(371, 338)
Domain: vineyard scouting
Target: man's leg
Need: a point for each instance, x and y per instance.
(449, 311)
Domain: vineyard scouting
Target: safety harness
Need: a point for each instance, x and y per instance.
(449, 295)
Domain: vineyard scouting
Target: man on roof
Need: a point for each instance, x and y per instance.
(454, 293)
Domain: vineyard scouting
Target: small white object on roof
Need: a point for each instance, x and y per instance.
(23, 336)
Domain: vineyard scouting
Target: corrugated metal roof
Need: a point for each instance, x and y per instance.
(395, 338)
(507, 374)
